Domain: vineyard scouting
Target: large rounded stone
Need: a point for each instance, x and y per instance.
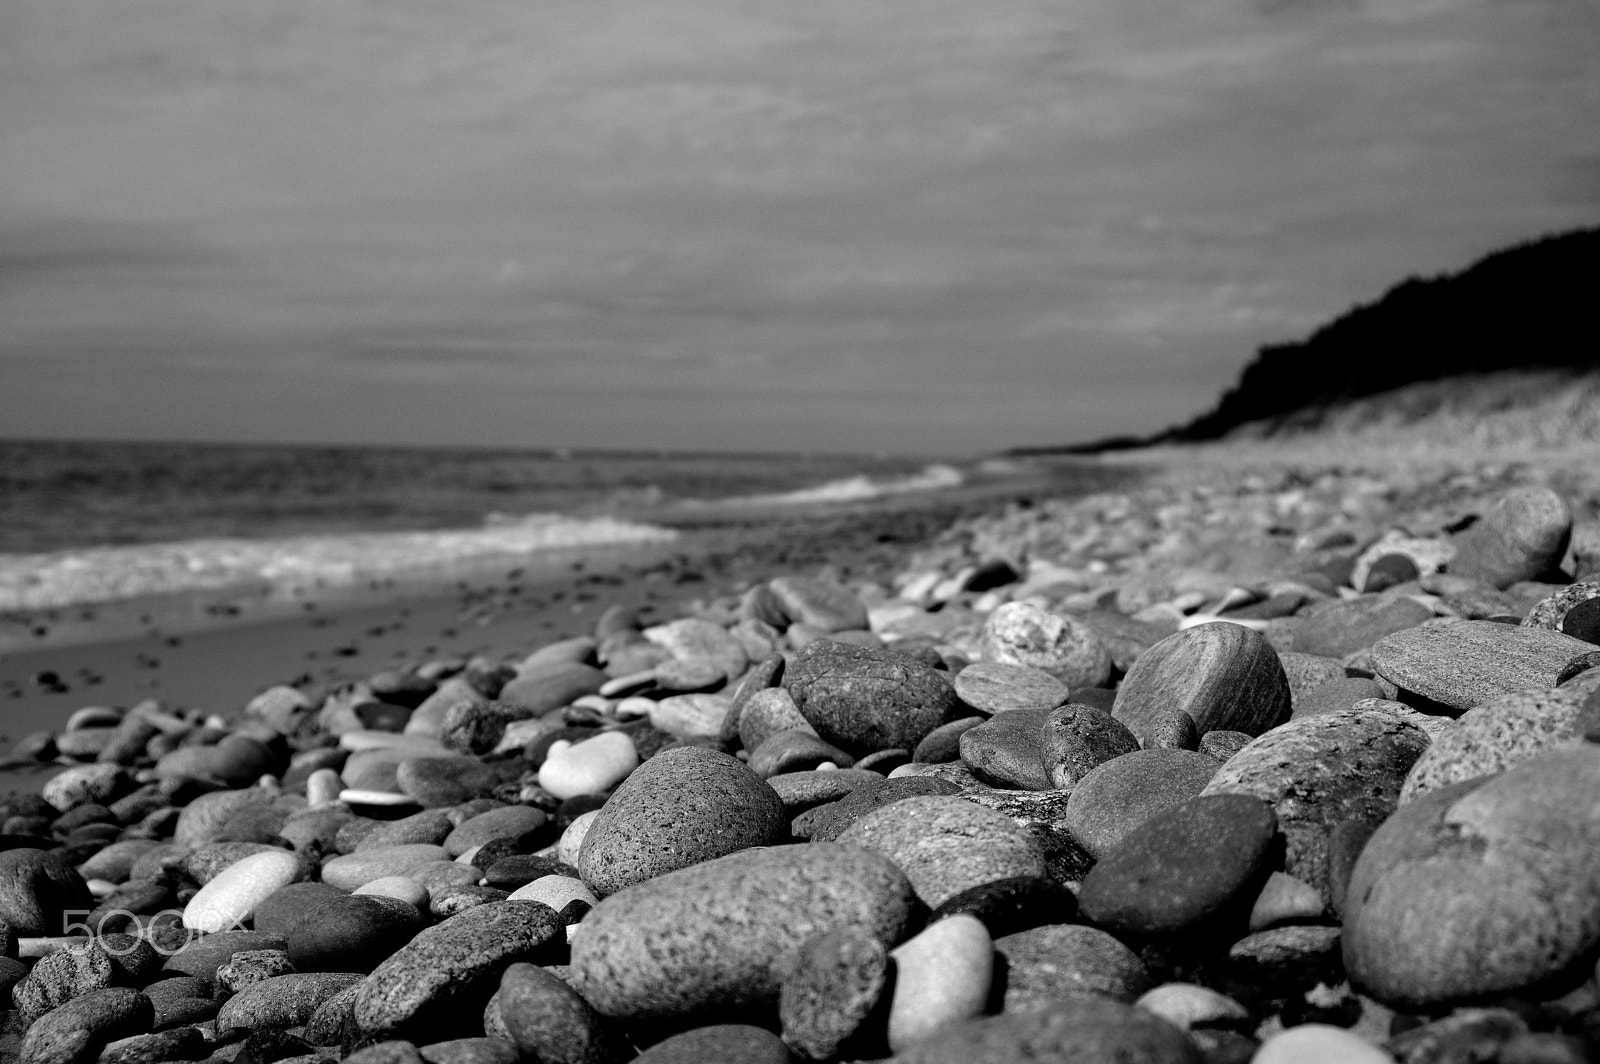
(351, 933)
(550, 1023)
(1082, 1030)
(1491, 886)
(1498, 734)
(1007, 751)
(449, 971)
(720, 935)
(1075, 740)
(1343, 628)
(1323, 771)
(1123, 793)
(1469, 663)
(1019, 633)
(37, 889)
(1521, 537)
(946, 845)
(864, 699)
(1047, 964)
(678, 809)
(80, 1029)
(1181, 867)
(1226, 677)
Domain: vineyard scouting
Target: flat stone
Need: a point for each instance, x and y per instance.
(1047, 964)
(1319, 1043)
(723, 1043)
(1501, 733)
(719, 935)
(1223, 675)
(680, 808)
(1009, 905)
(996, 687)
(1484, 887)
(351, 933)
(1342, 628)
(81, 785)
(943, 744)
(800, 791)
(1322, 771)
(1336, 695)
(1290, 960)
(550, 686)
(592, 766)
(203, 955)
(1075, 739)
(282, 1001)
(863, 699)
(466, 1051)
(693, 640)
(1006, 750)
(1018, 633)
(693, 718)
(828, 822)
(429, 827)
(357, 869)
(796, 750)
(449, 970)
(1113, 799)
(946, 845)
(441, 781)
(1181, 867)
(227, 901)
(521, 824)
(1469, 663)
(823, 604)
(1187, 1005)
(830, 991)
(1071, 1030)
(1521, 537)
(250, 967)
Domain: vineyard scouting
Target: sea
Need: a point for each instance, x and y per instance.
(94, 521)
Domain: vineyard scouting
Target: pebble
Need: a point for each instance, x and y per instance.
(1319, 1043)
(680, 808)
(1053, 961)
(1224, 676)
(37, 890)
(1075, 739)
(357, 869)
(831, 989)
(450, 967)
(692, 718)
(1020, 633)
(1186, 1005)
(1499, 734)
(1521, 537)
(282, 1001)
(1118, 796)
(995, 687)
(945, 844)
(719, 934)
(827, 822)
(548, 1022)
(442, 781)
(1342, 628)
(1014, 904)
(83, 785)
(1321, 771)
(767, 712)
(351, 933)
(1075, 1029)
(469, 1051)
(58, 978)
(78, 1030)
(1007, 750)
(202, 955)
(428, 827)
(519, 824)
(1286, 899)
(800, 791)
(942, 976)
(863, 699)
(723, 1043)
(1481, 887)
(693, 641)
(400, 888)
(545, 687)
(822, 604)
(1574, 611)
(1468, 663)
(1181, 867)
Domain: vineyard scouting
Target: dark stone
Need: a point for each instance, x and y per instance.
(832, 819)
(548, 1021)
(728, 1043)
(834, 986)
(351, 933)
(1006, 906)
(864, 698)
(37, 889)
(1070, 1030)
(1007, 750)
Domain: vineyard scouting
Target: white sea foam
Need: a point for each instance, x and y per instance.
(104, 574)
(934, 477)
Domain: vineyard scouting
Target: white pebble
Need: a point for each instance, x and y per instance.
(225, 903)
(572, 839)
(555, 891)
(591, 767)
(323, 787)
(942, 976)
(403, 888)
(1319, 1043)
(1188, 1005)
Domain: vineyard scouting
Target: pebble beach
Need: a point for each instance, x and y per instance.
(1262, 756)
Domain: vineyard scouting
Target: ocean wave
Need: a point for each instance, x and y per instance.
(934, 477)
(104, 574)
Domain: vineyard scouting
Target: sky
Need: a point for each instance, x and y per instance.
(920, 226)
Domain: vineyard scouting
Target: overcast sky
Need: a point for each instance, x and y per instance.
(913, 225)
